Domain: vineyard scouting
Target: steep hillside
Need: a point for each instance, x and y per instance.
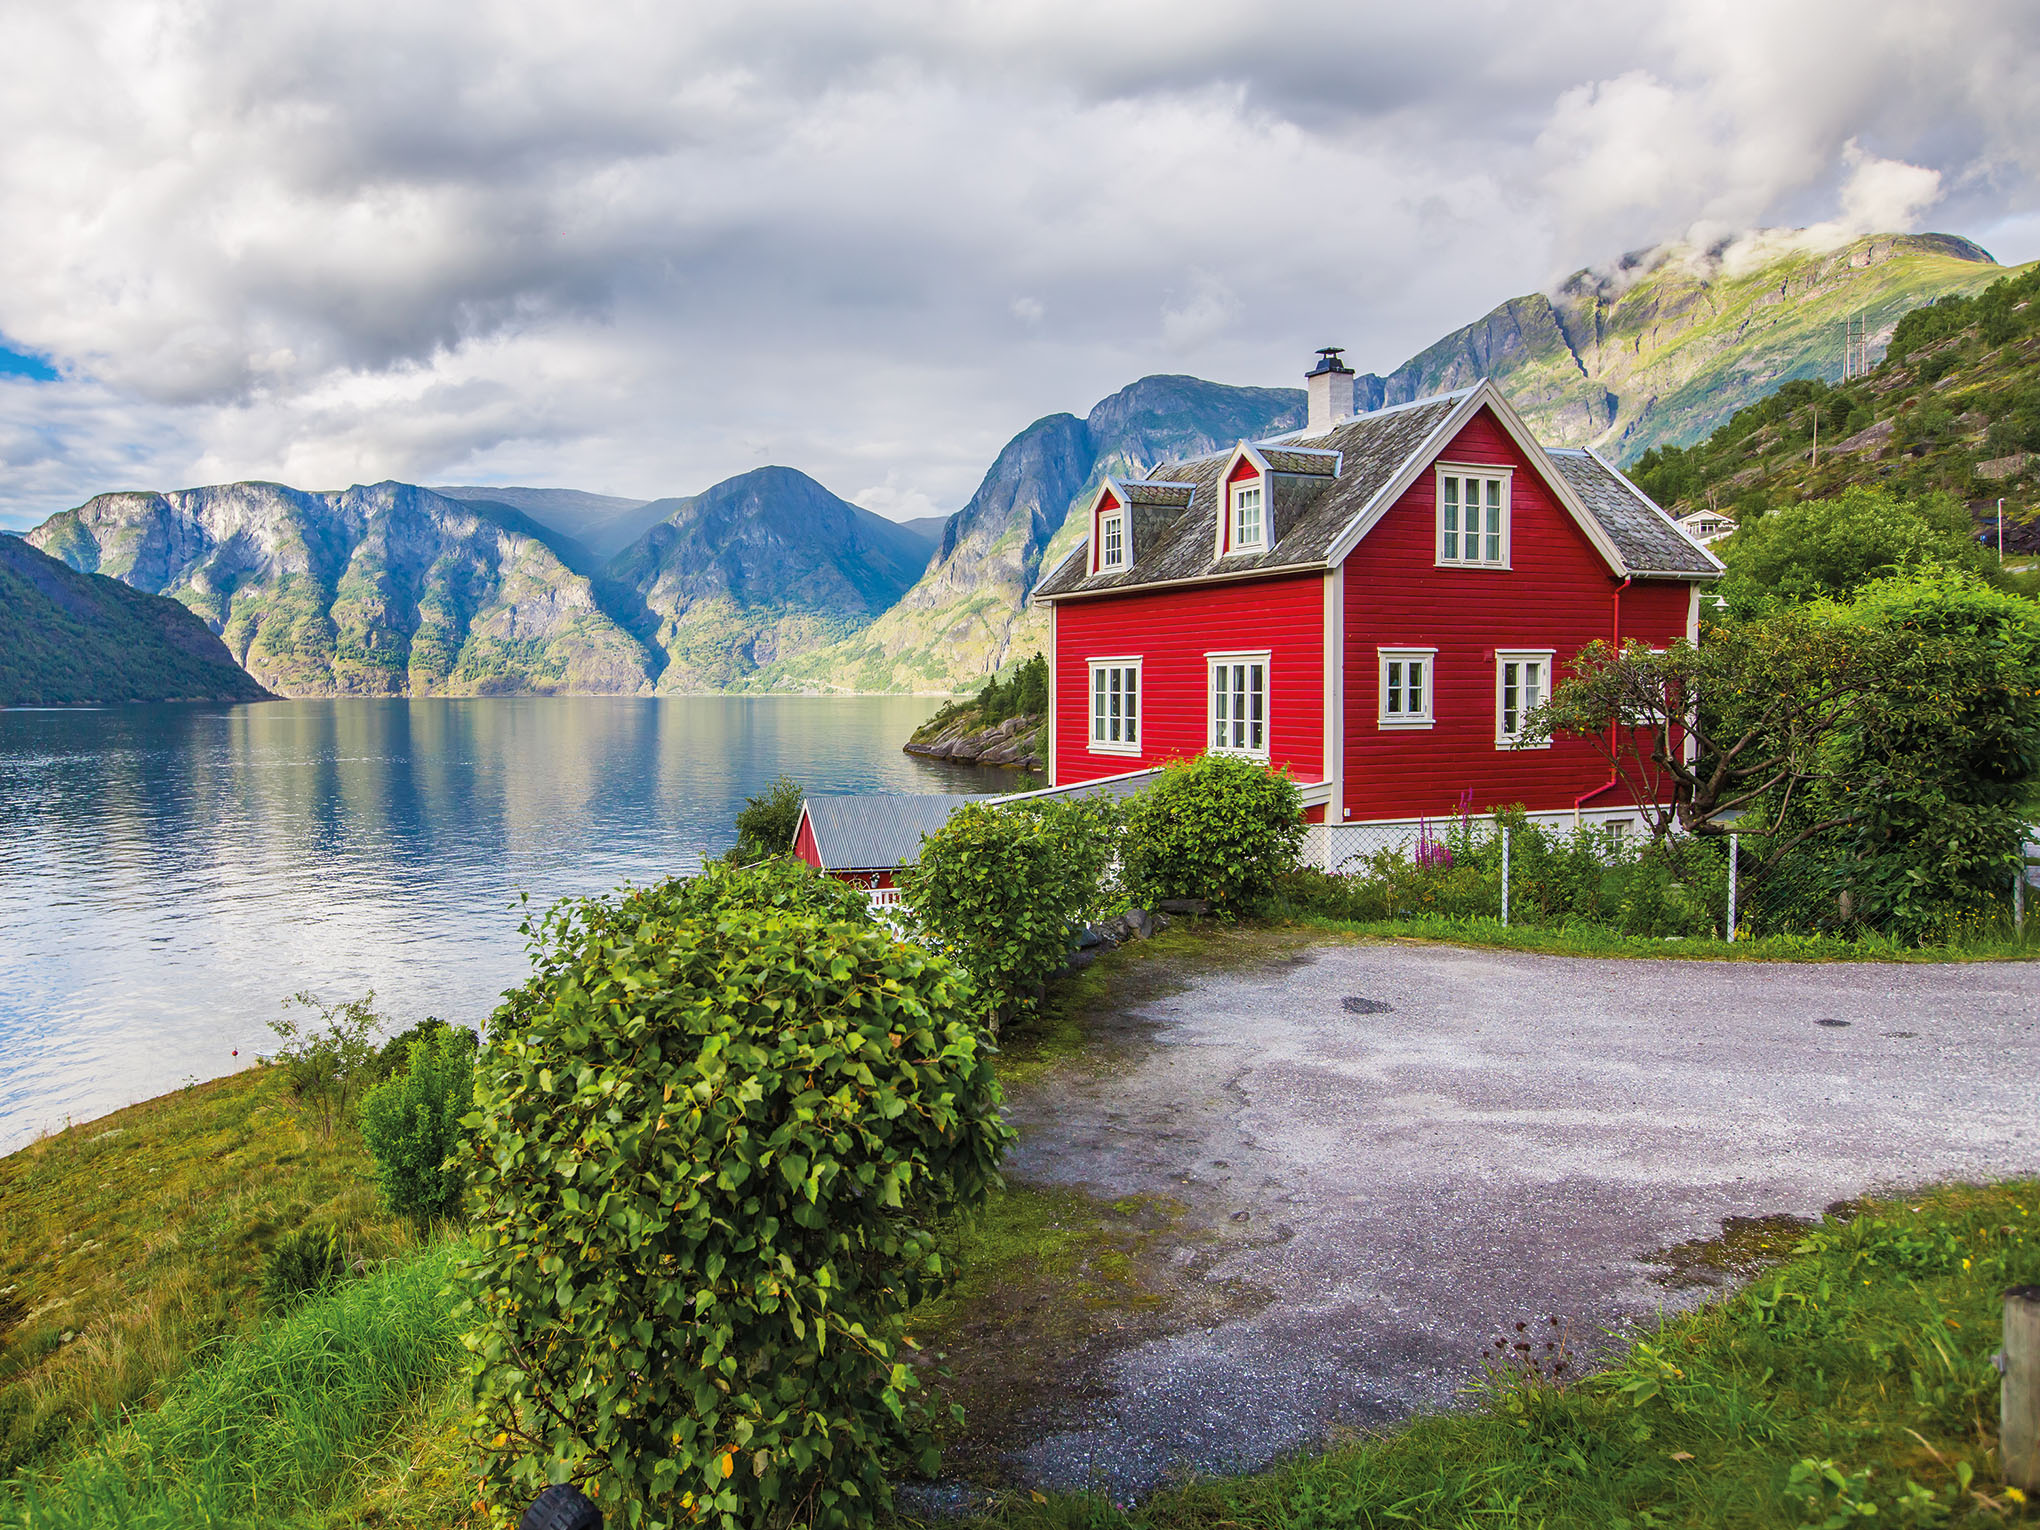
(963, 619)
(1673, 342)
(1954, 406)
(72, 639)
(387, 590)
(758, 569)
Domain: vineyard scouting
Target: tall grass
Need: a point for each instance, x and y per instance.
(264, 1433)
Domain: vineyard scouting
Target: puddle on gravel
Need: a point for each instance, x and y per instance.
(1744, 1246)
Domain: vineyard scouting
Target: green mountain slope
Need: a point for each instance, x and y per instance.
(72, 639)
(1954, 406)
(387, 590)
(1673, 342)
(964, 617)
(762, 567)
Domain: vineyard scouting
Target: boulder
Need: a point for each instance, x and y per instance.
(1182, 906)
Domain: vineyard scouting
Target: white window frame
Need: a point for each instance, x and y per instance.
(1241, 727)
(1234, 540)
(1465, 472)
(1111, 520)
(1505, 737)
(1428, 657)
(1129, 720)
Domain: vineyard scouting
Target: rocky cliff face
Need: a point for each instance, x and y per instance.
(1671, 343)
(386, 590)
(964, 618)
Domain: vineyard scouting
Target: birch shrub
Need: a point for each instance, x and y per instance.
(1219, 827)
(712, 1133)
(1002, 890)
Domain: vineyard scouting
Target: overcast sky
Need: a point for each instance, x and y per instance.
(636, 248)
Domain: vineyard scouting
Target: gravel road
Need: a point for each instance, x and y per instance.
(1408, 1148)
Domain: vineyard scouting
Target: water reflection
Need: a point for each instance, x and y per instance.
(169, 874)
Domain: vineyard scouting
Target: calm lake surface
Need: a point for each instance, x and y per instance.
(169, 874)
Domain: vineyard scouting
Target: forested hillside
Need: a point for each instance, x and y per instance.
(72, 639)
(1953, 407)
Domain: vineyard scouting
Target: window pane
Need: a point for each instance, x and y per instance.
(1508, 699)
(1133, 706)
(1218, 706)
(1098, 705)
(1417, 677)
(1533, 684)
(1258, 686)
(1450, 549)
(1392, 687)
(1112, 694)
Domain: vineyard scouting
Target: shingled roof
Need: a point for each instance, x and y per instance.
(1650, 541)
(1374, 451)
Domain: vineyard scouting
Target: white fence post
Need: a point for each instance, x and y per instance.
(1505, 875)
(1734, 855)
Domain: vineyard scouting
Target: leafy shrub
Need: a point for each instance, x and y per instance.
(326, 1066)
(713, 1131)
(1000, 890)
(411, 1123)
(1932, 771)
(301, 1264)
(767, 822)
(395, 1053)
(1217, 827)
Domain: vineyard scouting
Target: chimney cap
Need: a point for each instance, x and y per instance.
(1328, 361)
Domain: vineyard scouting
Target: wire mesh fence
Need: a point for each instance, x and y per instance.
(1730, 886)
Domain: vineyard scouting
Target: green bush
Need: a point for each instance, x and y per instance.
(1002, 889)
(396, 1052)
(411, 1123)
(301, 1264)
(1218, 827)
(767, 822)
(325, 1066)
(712, 1134)
(1932, 771)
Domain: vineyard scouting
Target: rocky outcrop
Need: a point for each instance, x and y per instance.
(1018, 742)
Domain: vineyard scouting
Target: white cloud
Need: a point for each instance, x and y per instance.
(636, 248)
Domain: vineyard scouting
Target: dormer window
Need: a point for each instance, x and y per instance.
(1112, 540)
(1249, 517)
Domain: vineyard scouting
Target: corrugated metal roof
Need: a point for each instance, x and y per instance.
(875, 832)
(1650, 541)
(872, 832)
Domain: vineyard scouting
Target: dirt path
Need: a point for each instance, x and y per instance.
(1405, 1149)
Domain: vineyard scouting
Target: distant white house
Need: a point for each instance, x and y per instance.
(1705, 526)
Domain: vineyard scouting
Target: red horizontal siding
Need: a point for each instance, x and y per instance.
(1557, 593)
(1170, 632)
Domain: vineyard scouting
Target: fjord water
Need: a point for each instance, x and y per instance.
(169, 874)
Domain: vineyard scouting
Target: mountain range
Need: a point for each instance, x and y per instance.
(768, 581)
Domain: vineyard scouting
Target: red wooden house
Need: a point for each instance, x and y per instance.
(1374, 602)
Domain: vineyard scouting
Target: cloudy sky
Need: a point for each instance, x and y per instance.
(636, 248)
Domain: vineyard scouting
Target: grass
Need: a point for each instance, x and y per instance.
(1855, 1374)
(132, 1246)
(275, 1426)
(1577, 939)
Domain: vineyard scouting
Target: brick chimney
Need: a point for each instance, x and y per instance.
(1331, 390)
